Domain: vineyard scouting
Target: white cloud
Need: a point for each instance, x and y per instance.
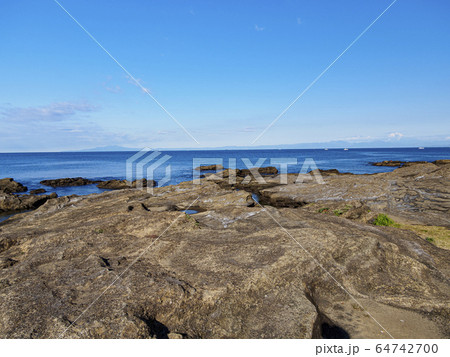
(257, 28)
(114, 89)
(165, 132)
(54, 112)
(395, 135)
(358, 138)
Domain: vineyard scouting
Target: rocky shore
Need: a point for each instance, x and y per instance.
(312, 259)
(12, 202)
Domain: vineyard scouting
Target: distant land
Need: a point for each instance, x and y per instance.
(338, 144)
(110, 148)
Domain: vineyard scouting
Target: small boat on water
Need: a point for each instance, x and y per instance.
(421, 148)
(326, 149)
(345, 149)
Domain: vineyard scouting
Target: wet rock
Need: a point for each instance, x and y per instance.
(123, 184)
(69, 181)
(396, 163)
(269, 170)
(330, 172)
(11, 202)
(8, 185)
(209, 167)
(441, 162)
(389, 163)
(37, 191)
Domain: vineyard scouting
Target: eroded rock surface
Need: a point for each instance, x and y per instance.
(113, 265)
(123, 184)
(69, 181)
(11, 202)
(8, 185)
(209, 167)
(37, 191)
(419, 193)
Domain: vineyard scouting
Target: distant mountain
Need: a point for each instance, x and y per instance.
(337, 144)
(111, 148)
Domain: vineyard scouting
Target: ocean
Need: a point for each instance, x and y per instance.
(31, 168)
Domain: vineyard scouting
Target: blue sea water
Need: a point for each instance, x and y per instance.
(31, 168)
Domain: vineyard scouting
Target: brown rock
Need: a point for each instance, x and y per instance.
(11, 202)
(37, 191)
(419, 192)
(229, 271)
(269, 170)
(209, 167)
(8, 185)
(123, 184)
(389, 163)
(330, 172)
(65, 182)
(441, 162)
(396, 163)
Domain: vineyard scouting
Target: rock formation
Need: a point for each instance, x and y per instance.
(69, 181)
(397, 163)
(11, 202)
(8, 185)
(129, 264)
(123, 184)
(37, 191)
(209, 167)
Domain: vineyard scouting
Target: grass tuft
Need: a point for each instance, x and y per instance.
(338, 212)
(384, 220)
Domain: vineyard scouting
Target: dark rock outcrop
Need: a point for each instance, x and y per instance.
(209, 167)
(388, 163)
(37, 191)
(269, 170)
(441, 162)
(8, 185)
(69, 181)
(396, 163)
(330, 172)
(11, 202)
(123, 184)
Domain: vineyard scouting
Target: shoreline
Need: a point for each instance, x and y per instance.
(234, 268)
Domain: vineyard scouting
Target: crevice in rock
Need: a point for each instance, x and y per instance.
(105, 263)
(155, 328)
(333, 331)
(324, 327)
(7, 262)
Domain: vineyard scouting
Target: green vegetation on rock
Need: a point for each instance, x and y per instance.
(384, 220)
(338, 212)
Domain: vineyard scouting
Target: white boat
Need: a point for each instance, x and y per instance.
(326, 149)
(421, 148)
(345, 149)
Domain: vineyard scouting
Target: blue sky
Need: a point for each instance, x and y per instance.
(224, 69)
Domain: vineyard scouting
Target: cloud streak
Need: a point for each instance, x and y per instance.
(395, 136)
(139, 84)
(55, 112)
